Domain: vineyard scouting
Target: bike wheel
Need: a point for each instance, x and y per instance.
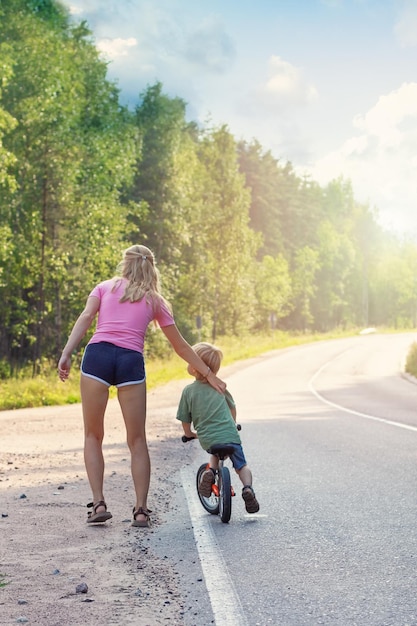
(225, 496)
(211, 504)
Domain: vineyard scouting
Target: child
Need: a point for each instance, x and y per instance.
(213, 416)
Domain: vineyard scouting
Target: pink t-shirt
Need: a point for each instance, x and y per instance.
(124, 323)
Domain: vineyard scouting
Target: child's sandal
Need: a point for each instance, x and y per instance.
(141, 523)
(251, 503)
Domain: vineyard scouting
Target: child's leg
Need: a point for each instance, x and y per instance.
(245, 476)
(214, 462)
(248, 494)
(207, 477)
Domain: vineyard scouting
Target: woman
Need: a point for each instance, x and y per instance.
(125, 305)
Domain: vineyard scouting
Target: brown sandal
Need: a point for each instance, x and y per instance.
(251, 503)
(97, 518)
(141, 523)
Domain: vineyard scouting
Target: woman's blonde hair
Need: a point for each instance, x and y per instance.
(138, 268)
(211, 355)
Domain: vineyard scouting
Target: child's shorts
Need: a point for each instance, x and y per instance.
(113, 365)
(238, 457)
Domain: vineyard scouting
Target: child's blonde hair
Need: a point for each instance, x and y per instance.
(211, 355)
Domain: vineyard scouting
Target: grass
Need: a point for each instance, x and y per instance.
(3, 583)
(48, 390)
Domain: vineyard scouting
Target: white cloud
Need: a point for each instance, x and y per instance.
(118, 47)
(78, 7)
(381, 161)
(286, 87)
(148, 41)
(406, 27)
(75, 10)
(386, 119)
(167, 38)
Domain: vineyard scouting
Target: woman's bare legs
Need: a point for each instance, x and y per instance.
(94, 397)
(132, 399)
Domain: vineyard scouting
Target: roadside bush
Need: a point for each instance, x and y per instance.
(411, 361)
(5, 370)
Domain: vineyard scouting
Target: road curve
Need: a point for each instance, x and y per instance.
(330, 432)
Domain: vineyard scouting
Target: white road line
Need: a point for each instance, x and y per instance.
(351, 411)
(225, 602)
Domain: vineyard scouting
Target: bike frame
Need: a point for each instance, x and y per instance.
(220, 500)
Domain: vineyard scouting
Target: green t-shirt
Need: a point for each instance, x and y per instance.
(209, 413)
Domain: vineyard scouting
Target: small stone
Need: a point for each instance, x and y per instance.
(22, 620)
(56, 571)
(81, 588)
(61, 487)
(5, 515)
(22, 601)
(23, 496)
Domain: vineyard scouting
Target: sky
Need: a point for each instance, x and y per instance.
(329, 85)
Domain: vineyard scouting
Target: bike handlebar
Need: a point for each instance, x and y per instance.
(185, 439)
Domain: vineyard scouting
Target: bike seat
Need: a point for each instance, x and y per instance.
(221, 450)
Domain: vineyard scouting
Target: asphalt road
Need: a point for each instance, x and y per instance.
(330, 433)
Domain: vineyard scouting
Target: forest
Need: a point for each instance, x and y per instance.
(242, 242)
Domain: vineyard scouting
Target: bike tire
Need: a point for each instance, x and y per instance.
(225, 495)
(210, 504)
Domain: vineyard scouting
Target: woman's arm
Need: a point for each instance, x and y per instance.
(185, 351)
(79, 329)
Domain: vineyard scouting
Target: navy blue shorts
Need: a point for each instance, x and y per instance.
(238, 457)
(113, 365)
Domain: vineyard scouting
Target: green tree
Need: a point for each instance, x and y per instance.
(394, 285)
(229, 246)
(266, 180)
(306, 266)
(336, 261)
(74, 149)
(161, 184)
(273, 291)
(7, 122)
